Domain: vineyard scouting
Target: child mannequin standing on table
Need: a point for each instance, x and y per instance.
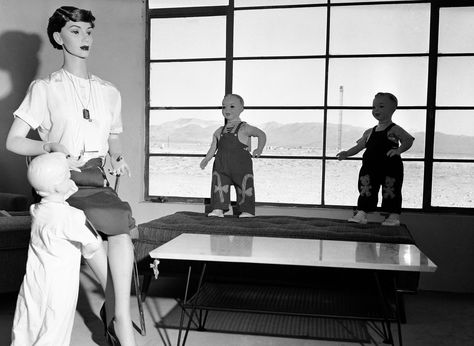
(231, 145)
(381, 162)
(46, 303)
(79, 114)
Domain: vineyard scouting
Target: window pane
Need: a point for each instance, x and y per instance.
(287, 181)
(342, 177)
(297, 31)
(345, 127)
(187, 83)
(454, 134)
(180, 38)
(456, 32)
(362, 78)
(289, 132)
(244, 3)
(298, 182)
(341, 182)
(453, 190)
(412, 189)
(185, 3)
(183, 131)
(179, 177)
(455, 81)
(399, 29)
(280, 82)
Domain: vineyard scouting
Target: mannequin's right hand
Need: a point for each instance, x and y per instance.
(342, 155)
(203, 163)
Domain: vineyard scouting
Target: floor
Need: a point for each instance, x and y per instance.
(433, 319)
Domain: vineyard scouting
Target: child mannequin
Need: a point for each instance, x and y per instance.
(47, 299)
(233, 161)
(381, 162)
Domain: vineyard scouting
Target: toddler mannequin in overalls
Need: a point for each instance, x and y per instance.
(381, 162)
(233, 160)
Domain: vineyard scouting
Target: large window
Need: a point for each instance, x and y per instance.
(308, 71)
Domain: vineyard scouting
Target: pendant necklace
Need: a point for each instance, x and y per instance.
(85, 110)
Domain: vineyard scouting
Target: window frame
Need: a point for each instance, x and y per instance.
(431, 108)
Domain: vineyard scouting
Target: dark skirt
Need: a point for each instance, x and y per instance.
(104, 209)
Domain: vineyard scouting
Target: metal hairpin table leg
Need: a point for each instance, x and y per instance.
(193, 308)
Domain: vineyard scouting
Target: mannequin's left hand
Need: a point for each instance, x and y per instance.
(256, 153)
(393, 152)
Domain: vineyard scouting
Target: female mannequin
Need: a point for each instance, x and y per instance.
(78, 114)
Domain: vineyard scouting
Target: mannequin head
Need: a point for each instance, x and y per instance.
(49, 175)
(63, 15)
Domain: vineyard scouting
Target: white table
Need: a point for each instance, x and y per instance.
(300, 252)
(377, 257)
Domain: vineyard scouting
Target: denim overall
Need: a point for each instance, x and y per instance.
(380, 170)
(232, 166)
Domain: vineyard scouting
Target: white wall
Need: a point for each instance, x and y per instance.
(118, 55)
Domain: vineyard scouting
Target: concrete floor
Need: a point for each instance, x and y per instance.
(433, 319)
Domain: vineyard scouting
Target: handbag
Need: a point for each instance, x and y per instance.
(92, 174)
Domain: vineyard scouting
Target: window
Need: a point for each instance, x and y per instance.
(308, 71)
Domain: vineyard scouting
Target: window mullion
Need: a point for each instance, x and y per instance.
(431, 106)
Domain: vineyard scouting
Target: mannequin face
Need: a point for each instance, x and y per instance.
(66, 188)
(231, 108)
(76, 38)
(383, 108)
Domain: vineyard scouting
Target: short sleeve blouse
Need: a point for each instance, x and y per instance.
(54, 106)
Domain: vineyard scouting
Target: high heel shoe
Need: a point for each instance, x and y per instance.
(109, 330)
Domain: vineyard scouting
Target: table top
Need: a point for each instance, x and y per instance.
(292, 251)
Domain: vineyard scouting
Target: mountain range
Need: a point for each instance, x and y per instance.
(302, 135)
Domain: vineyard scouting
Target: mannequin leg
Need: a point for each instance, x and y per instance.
(120, 256)
(99, 267)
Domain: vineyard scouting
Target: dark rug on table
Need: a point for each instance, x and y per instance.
(168, 227)
(274, 325)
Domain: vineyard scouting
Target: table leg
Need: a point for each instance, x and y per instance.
(193, 309)
(386, 312)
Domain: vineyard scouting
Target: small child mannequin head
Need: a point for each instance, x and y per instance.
(232, 106)
(49, 175)
(383, 107)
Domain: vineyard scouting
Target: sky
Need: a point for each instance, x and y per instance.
(378, 29)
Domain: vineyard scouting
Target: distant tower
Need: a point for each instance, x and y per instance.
(341, 102)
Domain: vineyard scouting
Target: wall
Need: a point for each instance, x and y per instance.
(118, 56)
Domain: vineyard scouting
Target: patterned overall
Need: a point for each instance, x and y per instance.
(232, 166)
(379, 169)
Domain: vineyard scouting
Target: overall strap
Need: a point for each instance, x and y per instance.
(370, 134)
(222, 130)
(389, 127)
(237, 128)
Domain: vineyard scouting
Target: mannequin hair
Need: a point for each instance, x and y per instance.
(390, 96)
(63, 15)
(238, 97)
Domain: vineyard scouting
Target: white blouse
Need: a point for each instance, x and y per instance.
(54, 106)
